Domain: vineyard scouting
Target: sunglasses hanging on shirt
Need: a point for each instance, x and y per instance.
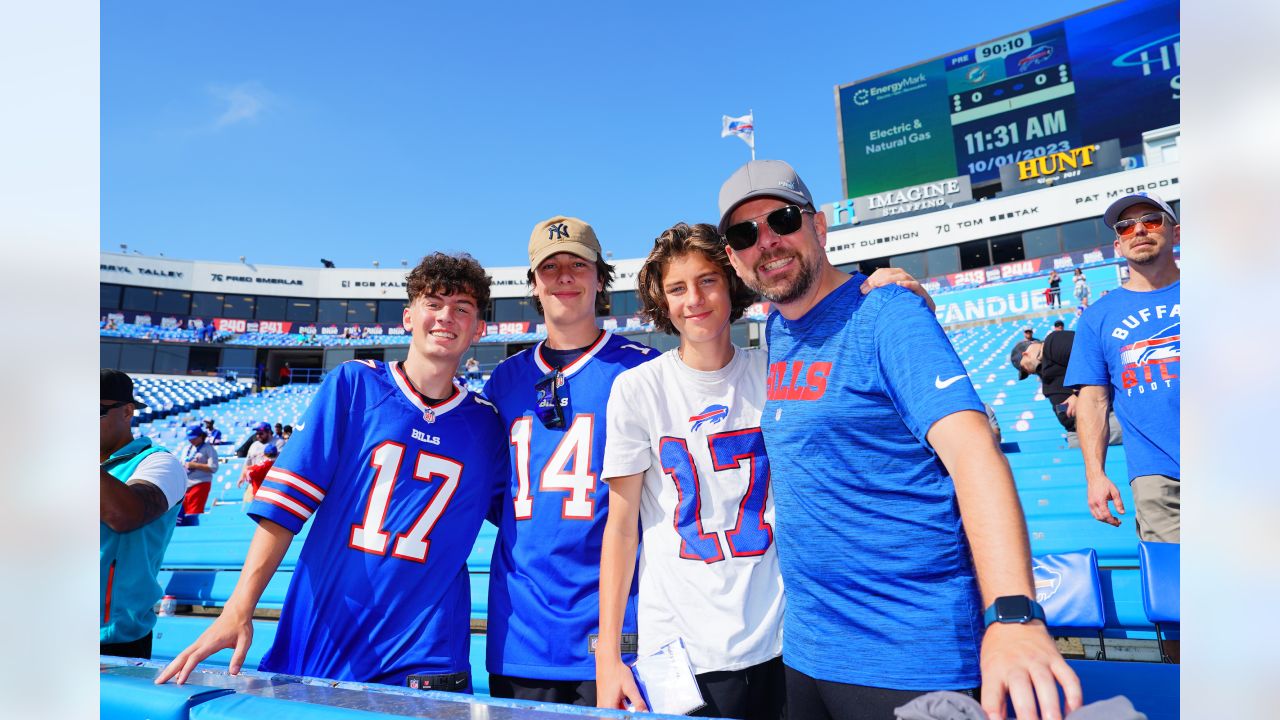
(552, 397)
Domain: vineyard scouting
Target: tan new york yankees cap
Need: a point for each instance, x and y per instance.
(562, 234)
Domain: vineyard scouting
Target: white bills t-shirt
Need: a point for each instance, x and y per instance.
(708, 565)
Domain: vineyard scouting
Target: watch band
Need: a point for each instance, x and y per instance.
(1013, 609)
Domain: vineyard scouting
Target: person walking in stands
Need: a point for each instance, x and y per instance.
(1081, 290)
(285, 374)
(258, 472)
(398, 467)
(1054, 297)
(1048, 360)
(544, 587)
(1129, 347)
(211, 433)
(897, 516)
(140, 487)
(200, 459)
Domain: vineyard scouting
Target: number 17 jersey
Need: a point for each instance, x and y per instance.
(396, 490)
(544, 586)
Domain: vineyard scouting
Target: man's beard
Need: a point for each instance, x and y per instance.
(785, 290)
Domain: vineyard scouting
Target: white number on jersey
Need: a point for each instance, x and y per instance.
(413, 545)
(569, 469)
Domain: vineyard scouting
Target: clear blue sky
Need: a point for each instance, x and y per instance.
(288, 131)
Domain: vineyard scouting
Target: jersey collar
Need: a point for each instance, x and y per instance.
(429, 412)
(576, 365)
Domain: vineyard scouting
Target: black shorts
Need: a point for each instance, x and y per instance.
(809, 698)
(754, 693)
(567, 692)
(140, 648)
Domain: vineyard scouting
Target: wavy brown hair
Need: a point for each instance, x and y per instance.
(676, 241)
(441, 274)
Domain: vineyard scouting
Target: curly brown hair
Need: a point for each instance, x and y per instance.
(604, 273)
(442, 274)
(679, 240)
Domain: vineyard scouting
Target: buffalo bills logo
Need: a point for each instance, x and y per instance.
(1165, 345)
(713, 414)
(1047, 582)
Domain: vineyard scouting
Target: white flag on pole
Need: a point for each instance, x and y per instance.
(743, 127)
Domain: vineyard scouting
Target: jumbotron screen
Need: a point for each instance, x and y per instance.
(1110, 72)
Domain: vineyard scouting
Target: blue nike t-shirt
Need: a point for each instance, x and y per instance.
(1132, 342)
(880, 587)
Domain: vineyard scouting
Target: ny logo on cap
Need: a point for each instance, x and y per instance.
(558, 231)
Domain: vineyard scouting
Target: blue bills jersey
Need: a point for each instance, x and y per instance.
(544, 586)
(398, 490)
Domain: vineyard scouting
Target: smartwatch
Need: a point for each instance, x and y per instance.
(1013, 609)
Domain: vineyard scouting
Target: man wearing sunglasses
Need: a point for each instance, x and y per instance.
(140, 485)
(1128, 352)
(886, 479)
(544, 584)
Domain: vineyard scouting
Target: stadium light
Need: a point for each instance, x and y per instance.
(124, 248)
(375, 264)
(326, 263)
(241, 258)
(404, 263)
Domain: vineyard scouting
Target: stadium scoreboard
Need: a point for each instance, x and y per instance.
(1109, 73)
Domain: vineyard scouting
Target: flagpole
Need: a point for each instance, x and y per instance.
(752, 113)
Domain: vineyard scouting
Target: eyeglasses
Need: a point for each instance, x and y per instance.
(104, 409)
(783, 221)
(1151, 221)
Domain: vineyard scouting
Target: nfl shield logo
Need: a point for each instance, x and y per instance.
(429, 415)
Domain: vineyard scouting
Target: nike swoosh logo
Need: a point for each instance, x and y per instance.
(941, 384)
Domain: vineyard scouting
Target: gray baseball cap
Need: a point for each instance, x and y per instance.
(761, 178)
(1112, 215)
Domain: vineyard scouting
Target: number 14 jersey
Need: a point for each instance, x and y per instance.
(708, 566)
(544, 589)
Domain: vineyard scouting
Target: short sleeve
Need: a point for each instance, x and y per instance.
(164, 471)
(296, 485)
(919, 369)
(627, 448)
(1088, 364)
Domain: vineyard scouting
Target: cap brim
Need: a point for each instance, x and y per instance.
(139, 403)
(573, 248)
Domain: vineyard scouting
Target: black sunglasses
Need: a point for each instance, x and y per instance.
(104, 409)
(783, 221)
(1151, 221)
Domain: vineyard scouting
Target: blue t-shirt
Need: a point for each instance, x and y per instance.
(398, 489)
(1131, 341)
(544, 585)
(880, 587)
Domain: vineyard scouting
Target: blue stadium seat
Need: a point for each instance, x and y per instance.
(1068, 587)
(135, 698)
(1161, 586)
